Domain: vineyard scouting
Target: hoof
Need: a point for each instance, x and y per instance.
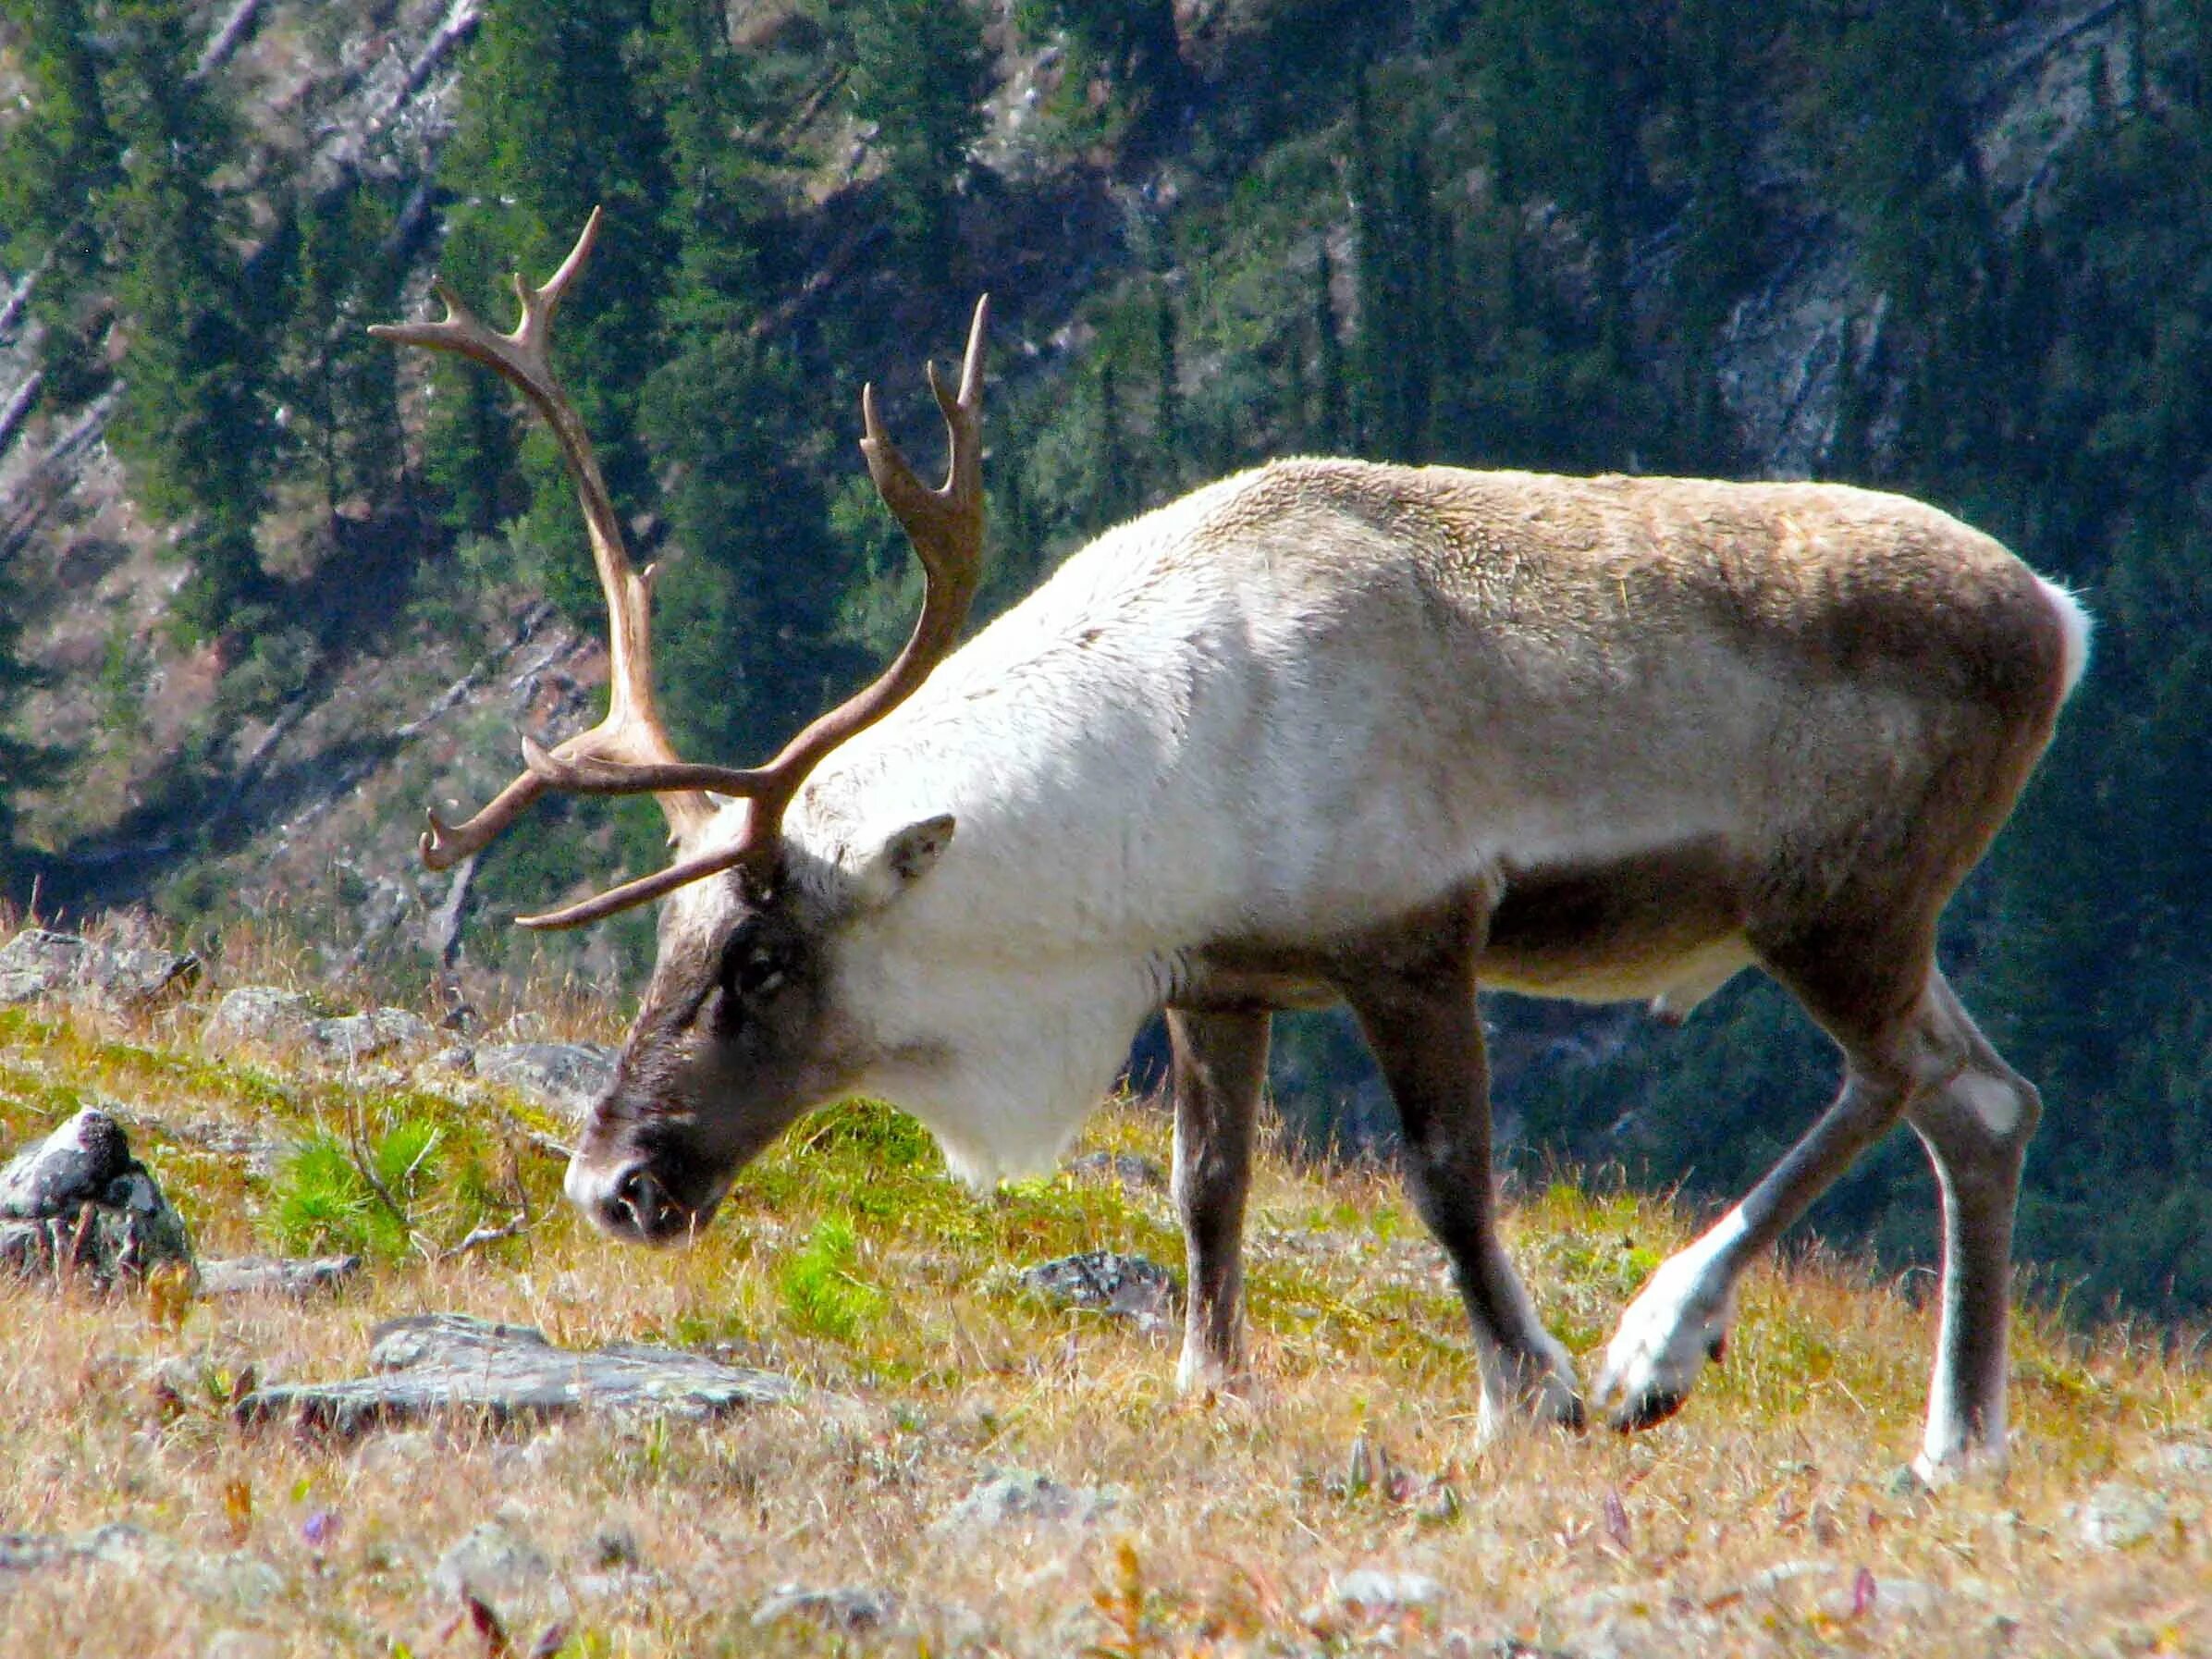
(1645, 1410)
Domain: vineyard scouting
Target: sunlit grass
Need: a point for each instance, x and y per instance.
(848, 1259)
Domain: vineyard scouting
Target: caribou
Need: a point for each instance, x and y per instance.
(1331, 732)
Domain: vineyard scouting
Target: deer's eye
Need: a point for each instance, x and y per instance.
(754, 968)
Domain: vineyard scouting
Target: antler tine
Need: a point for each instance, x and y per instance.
(632, 730)
(945, 526)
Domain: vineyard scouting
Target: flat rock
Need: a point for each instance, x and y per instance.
(2119, 1517)
(568, 1078)
(1133, 1171)
(848, 1607)
(232, 1579)
(503, 1569)
(1106, 1282)
(1373, 1593)
(274, 1275)
(267, 1013)
(358, 1036)
(1026, 1502)
(439, 1363)
(259, 1014)
(38, 964)
(79, 1201)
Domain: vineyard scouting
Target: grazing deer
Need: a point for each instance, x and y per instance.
(1332, 731)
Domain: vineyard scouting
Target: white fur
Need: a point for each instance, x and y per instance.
(1990, 1099)
(2074, 624)
(1666, 1334)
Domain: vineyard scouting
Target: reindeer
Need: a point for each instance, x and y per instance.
(1328, 732)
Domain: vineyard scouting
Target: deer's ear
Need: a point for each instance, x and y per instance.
(904, 859)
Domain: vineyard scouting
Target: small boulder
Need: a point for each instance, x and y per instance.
(2119, 1517)
(854, 1607)
(356, 1037)
(78, 1201)
(1106, 1282)
(1133, 1171)
(567, 1077)
(504, 1571)
(1025, 1502)
(259, 1014)
(433, 1365)
(39, 963)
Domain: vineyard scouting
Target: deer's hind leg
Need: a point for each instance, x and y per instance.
(1975, 1125)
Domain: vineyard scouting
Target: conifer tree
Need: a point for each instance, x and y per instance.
(919, 74)
(554, 121)
(192, 428)
(54, 164)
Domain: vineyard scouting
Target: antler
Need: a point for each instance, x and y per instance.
(631, 733)
(945, 526)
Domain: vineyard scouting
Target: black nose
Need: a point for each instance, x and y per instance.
(639, 1205)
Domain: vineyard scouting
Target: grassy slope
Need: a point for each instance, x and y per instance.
(931, 1370)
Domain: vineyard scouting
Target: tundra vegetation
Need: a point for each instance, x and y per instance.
(1775, 1517)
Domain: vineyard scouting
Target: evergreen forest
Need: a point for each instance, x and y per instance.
(1511, 233)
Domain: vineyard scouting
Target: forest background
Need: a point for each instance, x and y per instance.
(266, 588)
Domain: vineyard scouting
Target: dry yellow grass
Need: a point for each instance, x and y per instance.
(933, 1371)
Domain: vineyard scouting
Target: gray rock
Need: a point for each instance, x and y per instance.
(505, 1571)
(274, 1275)
(1025, 1500)
(79, 1201)
(2119, 1517)
(265, 1014)
(1137, 1173)
(1106, 1282)
(848, 1607)
(259, 1014)
(1374, 1592)
(430, 1365)
(233, 1578)
(568, 1077)
(2184, 1460)
(358, 1036)
(38, 964)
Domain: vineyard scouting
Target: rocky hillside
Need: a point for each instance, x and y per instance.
(300, 791)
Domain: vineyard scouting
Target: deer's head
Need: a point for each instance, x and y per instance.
(738, 1032)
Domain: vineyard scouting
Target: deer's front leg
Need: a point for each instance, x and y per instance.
(1427, 1035)
(1220, 1064)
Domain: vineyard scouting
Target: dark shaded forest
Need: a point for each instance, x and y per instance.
(1487, 232)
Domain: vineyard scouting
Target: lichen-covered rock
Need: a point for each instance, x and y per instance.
(266, 1013)
(234, 1578)
(433, 1364)
(2118, 1516)
(259, 1014)
(358, 1036)
(568, 1078)
(39, 963)
(79, 1202)
(849, 1607)
(1134, 1171)
(276, 1275)
(503, 1569)
(1106, 1282)
(1025, 1502)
